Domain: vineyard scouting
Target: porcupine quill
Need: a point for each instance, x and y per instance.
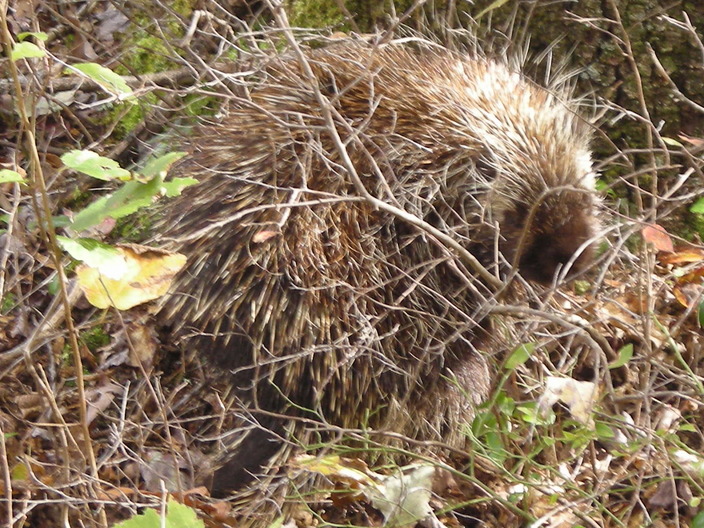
(318, 304)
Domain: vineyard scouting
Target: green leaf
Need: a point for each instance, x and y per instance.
(53, 287)
(181, 516)
(698, 206)
(687, 427)
(484, 422)
(603, 431)
(94, 165)
(148, 519)
(505, 404)
(177, 516)
(701, 314)
(601, 185)
(129, 198)
(278, 522)
(106, 259)
(624, 356)
(160, 166)
(91, 215)
(531, 413)
(519, 356)
(105, 77)
(61, 221)
(39, 35)
(698, 521)
(26, 50)
(578, 437)
(177, 185)
(7, 176)
(495, 446)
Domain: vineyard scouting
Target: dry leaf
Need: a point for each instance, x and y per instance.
(143, 344)
(657, 236)
(579, 396)
(403, 498)
(688, 294)
(686, 256)
(695, 142)
(148, 276)
(100, 398)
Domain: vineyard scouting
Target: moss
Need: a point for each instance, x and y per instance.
(148, 54)
(7, 303)
(183, 7)
(581, 287)
(78, 199)
(134, 228)
(129, 115)
(66, 360)
(95, 338)
(199, 105)
(315, 13)
(368, 15)
(147, 51)
(693, 228)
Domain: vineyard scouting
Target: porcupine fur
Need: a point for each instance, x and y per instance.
(317, 304)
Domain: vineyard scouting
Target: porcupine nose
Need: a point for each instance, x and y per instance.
(560, 235)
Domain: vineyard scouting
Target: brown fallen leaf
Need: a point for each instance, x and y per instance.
(685, 256)
(657, 236)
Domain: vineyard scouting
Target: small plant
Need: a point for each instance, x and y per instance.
(173, 515)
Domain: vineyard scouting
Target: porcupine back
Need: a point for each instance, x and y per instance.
(308, 296)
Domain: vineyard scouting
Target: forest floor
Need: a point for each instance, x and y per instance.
(597, 412)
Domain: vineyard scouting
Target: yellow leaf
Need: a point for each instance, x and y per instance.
(148, 276)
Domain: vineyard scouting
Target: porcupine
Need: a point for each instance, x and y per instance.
(320, 305)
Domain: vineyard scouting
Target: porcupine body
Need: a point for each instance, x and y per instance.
(317, 304)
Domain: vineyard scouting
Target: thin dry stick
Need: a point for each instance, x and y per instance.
(630, 57)
(388, 34)
(348, 16)
(5, 253)
(675, 89)
(75, 82)
(159, 399)
(6, 476)
(648, 287)
(327, 112)
(37, 176)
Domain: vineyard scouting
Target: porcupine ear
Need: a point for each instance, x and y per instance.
(558, 233)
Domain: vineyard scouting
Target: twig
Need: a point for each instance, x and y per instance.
(73, 82)
(659, 67)
(49, 233)
(326, 109)
(6, 477)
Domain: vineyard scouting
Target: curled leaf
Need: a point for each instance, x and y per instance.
(147, 275)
